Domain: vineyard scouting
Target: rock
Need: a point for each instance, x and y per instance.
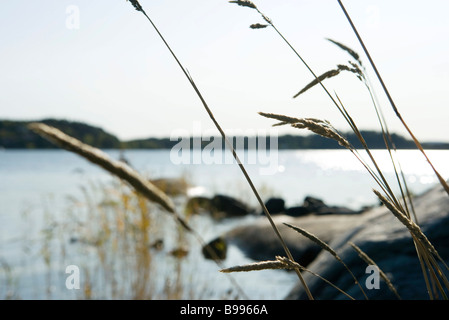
(227, 207)
(388, 243)
(157, 245)
(313, 204)
(275, 205)
(220, 207)
(258, 241)
(297, 211)
(179, 252)
(218, 247)
(197, 205)
(317, 206)
(335, 210)
(73, 239)
(172, 186)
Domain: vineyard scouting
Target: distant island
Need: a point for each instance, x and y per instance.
(16, 135)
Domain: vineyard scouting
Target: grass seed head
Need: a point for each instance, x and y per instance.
(321, 127)
(136, 5)
(257, 266)
(351, 52)
(258, 26)
(326, 75)
(244, 3)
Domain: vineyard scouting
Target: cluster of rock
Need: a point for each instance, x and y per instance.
(222, 206)
(389, 244)
(375, 231)
(310, 205)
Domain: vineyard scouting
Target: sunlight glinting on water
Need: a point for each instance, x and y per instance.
(412, 163)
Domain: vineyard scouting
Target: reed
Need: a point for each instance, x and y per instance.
(249, 4)
(117, 168)
(425, 251)
(280, 263)
(327, 248)
(126, 173)
(390, 99)
(351, 52)
(330, 74)
(119, 241)
(320, 127)
(369, 261)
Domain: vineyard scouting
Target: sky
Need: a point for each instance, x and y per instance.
(102, 63)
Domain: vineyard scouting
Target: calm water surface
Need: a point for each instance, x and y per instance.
(36, 188)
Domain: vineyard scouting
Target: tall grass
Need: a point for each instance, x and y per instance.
(133, 178)
(139, 8)
(433, 274)
(390, 99)
(436, 281)
(124, 246)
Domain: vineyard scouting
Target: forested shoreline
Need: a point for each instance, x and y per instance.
(16, 135)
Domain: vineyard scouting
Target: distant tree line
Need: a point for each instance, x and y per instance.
(16, 135)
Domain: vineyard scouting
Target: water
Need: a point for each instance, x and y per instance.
(37, 188)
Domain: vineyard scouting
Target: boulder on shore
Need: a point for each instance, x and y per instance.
(219, 207)
(317, 206)
(223, 206)
(275, 205)
(377, 232)
(258, 241)
(216, 249)
(172, 186)
(310, 205)
(381, 236)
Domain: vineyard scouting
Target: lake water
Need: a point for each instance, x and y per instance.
(42, 189)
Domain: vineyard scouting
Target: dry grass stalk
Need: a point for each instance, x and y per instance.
(244, 3)
(369, 261)
(136, 5)
(315, 239)
(379, 179)
(258, 266)
(124, 172)
(326, 247)
(390, 99)
(279, 263)
(291, 263)
(117, 168)
(320, 127)
(319, 79)
(357, 68)
(425, 250)
(414, 229)
(330, 74)
(258, 26)
(230, 146)
(351, 52)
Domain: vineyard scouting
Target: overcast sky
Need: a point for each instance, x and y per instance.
(101, 62)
